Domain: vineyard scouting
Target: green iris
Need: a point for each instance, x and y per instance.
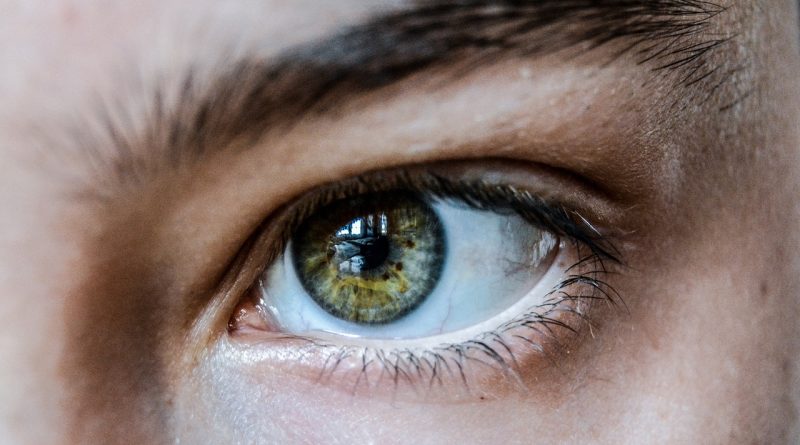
(370, 259)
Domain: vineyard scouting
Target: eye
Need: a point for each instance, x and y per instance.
(411, 276)
(400, 265)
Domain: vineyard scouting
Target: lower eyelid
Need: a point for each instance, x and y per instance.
(503, 358)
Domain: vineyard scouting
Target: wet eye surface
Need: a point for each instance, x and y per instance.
(371, 259)
(397, 265)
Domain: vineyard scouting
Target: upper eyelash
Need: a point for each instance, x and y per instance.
(534, 210)
(479, 195)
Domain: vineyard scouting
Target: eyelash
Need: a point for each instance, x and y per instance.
(416, 367)
(426, 366)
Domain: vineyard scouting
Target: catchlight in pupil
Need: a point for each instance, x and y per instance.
(371, 259)
(361, 245)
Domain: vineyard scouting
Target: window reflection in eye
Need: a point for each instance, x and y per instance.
(376, 273)
(439, 268)
(430, 270)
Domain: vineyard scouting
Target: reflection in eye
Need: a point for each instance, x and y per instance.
(377, 267)
(392, 265)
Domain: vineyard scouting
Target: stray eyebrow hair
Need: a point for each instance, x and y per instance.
(253, 95)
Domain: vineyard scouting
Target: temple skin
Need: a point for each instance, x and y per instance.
(119, 272)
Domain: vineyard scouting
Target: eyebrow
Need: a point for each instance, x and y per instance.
(253, 95)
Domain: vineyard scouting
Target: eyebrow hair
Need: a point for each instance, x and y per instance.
(254, 95)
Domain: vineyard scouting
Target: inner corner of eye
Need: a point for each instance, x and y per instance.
(248, 317)
(394, 265)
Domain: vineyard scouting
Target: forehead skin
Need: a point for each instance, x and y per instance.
(70, 322)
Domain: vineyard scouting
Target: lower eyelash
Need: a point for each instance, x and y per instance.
(540, 331)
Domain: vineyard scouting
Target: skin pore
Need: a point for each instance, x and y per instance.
(151, 149)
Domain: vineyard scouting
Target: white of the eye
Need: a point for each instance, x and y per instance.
(492, 262)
